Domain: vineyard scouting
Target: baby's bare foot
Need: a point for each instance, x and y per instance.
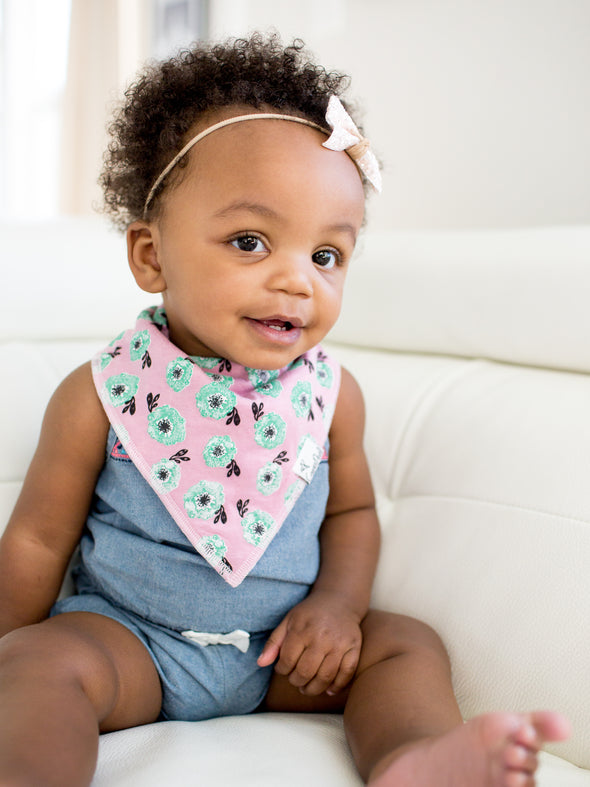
(494, 750)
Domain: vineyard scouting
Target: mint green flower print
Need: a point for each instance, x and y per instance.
(215, 400)
(165, 475)
(204, 499)
(117, 339)
(257, 527)
(179, 373)
(105, 359)
(159, 316)
(265, 381)
(301, 399)
(222, 379)
(139, 344)
(166, 425)
(121, 388)
(269, 478)
(205, 362)
(212, 546)
(324, 374)
(270, 430)
(219, 451)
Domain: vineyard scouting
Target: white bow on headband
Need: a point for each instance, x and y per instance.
(346, 136)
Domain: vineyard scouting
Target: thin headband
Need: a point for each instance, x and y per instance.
(345, 136)
(215, 127)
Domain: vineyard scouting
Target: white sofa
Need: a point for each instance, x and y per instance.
(473, 350)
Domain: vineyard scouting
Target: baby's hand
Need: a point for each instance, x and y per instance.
(317, 644)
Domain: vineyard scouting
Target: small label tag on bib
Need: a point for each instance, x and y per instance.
(308, 459)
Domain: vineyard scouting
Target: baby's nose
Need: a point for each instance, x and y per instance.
(292, 273)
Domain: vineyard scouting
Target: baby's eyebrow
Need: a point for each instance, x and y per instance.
(241, 206)
(245, 206)
(349, 229)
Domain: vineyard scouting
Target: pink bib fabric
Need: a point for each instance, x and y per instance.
(227, 449)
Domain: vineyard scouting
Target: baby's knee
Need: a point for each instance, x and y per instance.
(34, 650)
(50, 653)
(388, 635)
(21, 646)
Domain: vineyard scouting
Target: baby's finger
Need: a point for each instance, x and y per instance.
(306, 668)
(291, 650)
(324, 677)
(272, 648)
(345, 673)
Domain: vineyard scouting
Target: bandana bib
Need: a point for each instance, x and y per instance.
(227, 449)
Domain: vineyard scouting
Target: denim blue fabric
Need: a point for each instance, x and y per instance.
(137, 567)
(197, 682)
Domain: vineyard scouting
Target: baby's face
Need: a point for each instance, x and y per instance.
(255, 241)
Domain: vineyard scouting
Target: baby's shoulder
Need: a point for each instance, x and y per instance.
(75, 409)
(77, 388)
(350, 391)
(349, 416)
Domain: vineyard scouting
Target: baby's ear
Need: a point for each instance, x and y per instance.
(142, 255)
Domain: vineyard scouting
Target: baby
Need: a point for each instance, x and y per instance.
(209, 462)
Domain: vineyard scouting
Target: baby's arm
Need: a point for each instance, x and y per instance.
(49, 515)
(318, 643)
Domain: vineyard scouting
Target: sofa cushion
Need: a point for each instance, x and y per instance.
(265, 749)
(510, 295)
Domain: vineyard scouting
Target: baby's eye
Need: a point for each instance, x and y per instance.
(326, 258)
(248, 243)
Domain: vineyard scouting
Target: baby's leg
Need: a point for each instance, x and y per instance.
(404, 725)
(61, 682)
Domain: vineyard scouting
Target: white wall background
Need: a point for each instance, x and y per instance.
(480, 109)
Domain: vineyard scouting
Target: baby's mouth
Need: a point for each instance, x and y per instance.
(278, 325)
(286, 331)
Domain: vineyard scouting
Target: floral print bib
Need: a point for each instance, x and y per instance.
(227, 449)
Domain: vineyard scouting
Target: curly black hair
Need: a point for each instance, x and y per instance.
(162, 106)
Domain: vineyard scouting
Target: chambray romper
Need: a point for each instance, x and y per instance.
(137, 567)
